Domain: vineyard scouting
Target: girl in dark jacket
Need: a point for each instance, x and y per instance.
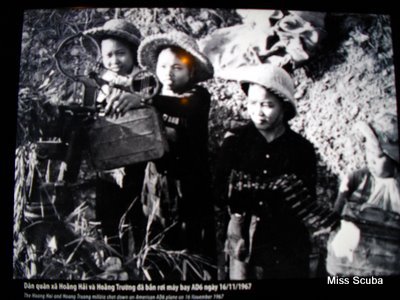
(265, 239)
(176, 187)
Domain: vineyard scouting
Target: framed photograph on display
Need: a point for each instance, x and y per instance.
(183, 151)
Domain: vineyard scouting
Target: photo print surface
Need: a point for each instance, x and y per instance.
(206, 145)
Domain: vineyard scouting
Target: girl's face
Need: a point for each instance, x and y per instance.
(265, 109)
(117, 57)
(172, 71)
(379, 164)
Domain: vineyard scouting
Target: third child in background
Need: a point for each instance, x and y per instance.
(367, 242)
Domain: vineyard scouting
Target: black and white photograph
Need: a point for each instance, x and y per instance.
(203, 153)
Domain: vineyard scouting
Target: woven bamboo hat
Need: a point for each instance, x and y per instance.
(119, 28)
(273, 78)
(382, 133)
(152, 45)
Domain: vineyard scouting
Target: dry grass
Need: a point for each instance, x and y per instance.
(61, 259)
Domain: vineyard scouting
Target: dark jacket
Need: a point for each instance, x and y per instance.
(187, 160)
(185, 170)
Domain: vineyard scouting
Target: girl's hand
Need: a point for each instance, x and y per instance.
(119, 104)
